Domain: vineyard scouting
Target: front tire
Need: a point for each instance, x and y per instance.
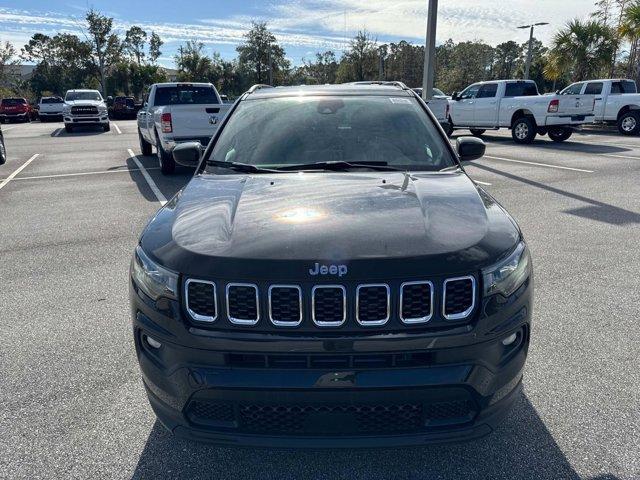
(165, 159)
(629, 123)
(3, 153)
(559, 134)
(523, 130)
(145, 146)
(476, 132)
(107, 127)
(68, 128)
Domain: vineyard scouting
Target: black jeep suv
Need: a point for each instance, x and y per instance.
(331, 277)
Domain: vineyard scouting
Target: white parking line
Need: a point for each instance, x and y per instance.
(538, 164)
(619, 156)
(18, 170)
(78, 174)
(58, 132)
(156, 191)
(117, 128)
(6, 129)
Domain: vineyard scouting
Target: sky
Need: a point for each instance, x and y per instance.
(303, 27)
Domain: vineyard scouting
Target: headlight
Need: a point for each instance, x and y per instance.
(66, 108)
(102, 109)
(154, 280)
(505, 277)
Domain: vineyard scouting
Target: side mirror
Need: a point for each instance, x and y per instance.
(469, 148)
(454, 96)
(188, 154)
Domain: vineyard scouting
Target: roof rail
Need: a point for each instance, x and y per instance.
(259, 86)
(393, 83)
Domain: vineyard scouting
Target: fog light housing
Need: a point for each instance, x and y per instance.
(510, 339)
(152, 342)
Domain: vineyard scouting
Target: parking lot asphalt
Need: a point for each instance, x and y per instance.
(72, 403)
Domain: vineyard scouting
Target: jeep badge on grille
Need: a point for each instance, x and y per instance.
(318, 269)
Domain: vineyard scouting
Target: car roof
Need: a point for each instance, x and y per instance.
(175, 84)
(351, 89)
(82, 90)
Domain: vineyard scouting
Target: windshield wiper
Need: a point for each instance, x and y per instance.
(339, 165)
(240, 167)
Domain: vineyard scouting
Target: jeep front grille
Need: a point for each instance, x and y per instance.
(416, 302)
(201, 300)
(373, 304)
(242, 303)
(285, 305)
(459, 297)
(329, 305)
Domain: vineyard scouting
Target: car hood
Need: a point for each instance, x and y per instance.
(261, 226)
(85, 103)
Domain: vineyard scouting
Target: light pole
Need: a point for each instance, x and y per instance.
(430, 51)
(528, 64)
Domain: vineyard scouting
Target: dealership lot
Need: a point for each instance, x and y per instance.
(71, 400)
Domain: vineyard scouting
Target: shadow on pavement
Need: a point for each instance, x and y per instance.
(521, 448)
(569, 145)
(169, 185)
(596, 210)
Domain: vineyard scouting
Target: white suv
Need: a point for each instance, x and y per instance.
(84, 107)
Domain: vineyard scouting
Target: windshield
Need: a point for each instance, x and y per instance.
(14, 101)
(285, 131)
(72, 96)
(51, 100)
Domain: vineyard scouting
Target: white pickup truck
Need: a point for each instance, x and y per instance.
(517, 105)
(439, 106)
(50, 108)
(616, 102)
(178, 112)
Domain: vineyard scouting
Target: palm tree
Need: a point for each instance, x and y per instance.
(630, 30)
(585, 49)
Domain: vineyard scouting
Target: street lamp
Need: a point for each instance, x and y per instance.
(528, 65)
(430, 50)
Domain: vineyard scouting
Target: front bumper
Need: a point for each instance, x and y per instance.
(102, 119)
(394, 389)
(14, 116)
(568, 120)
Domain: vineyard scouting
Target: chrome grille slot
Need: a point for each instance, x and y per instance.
(285, 305)
(242, 303)
(84, 110)
(201, 300)
(328, 305)
(373, 304)
(416, 302)
(459, 297)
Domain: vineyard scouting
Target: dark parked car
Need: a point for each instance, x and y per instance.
(15, 109)
(331, 277)
(124, 108)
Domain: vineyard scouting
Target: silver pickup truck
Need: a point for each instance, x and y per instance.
(175, 113)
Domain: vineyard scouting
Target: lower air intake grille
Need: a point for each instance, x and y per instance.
(459, 297)
(329, 305)
(201, 300)
(242, 303)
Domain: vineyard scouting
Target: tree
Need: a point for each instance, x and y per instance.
(8, 64)
(630, 30)
(360, 61)
(586, 47)
(404, 62)
(134, 42)
(106, 46)
(193, 65)
(322, 70)
(261, 56)
(508, 56)
(155, 42)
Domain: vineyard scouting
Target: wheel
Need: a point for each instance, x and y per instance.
(68, 128)
(107, 127)
(448, 129)
(476, 132)
(3, 153)
(523, 130)
(166, 161)
(27, 120)
(559, 134)
(145, 146)
(43, 120)
(629, 123)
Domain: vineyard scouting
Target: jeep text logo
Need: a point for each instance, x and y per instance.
(318, 269)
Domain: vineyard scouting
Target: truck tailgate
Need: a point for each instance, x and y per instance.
(198, 120)
(575, 104)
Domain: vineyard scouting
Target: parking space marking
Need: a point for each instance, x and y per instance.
(18, 170)
(627, 157)
(117, 128)
(8, 128)
(538, 164)
(79, 174)
(156, 191)
(58, 132)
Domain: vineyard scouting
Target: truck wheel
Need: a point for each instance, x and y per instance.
(107, 127)
(559, 134)
(523, 130)
(166, 161)
(476, 132)
(144, 145)
(68, 128)
(3, 153)
(629, 123)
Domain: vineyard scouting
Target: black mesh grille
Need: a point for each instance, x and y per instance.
(328, 305)
(458, 296)
(84, 110)
(449, 412)
(201, 299)
(416, 301)
(211, 411)
(242, 302)
(373, 303)
(285, 304)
